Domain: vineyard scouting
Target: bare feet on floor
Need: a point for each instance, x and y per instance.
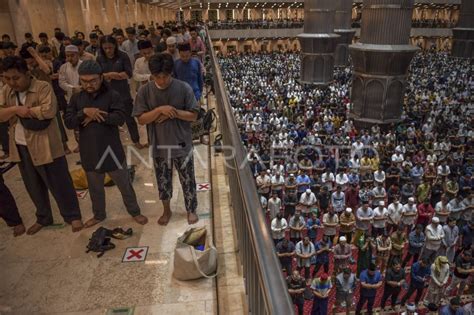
(18, 230)
(141, 219)
(165, 218)
(66, 149)
(139, 146)
(35, 228)
(76, 150)
(77, 225)
(91, 222)
(192, 218)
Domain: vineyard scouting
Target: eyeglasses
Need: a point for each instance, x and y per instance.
(90, 82)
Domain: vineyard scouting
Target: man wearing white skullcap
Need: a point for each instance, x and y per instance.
(171, 47)
(342, 255)
(308, 199)
(68, 75)
(434, 235)
(347, 222)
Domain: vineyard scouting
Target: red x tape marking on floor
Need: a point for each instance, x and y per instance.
(135, 254)
(203, 187)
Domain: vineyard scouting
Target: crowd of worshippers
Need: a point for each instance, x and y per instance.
(252, 24)
(298, 23)
(89, 86)
(420, 23)
(434, 23)
(366, 202)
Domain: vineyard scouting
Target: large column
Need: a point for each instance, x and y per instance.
(6, 23)
(463, 34)
(343, 21)
(318, 42)
(20, 18)
(381, 60)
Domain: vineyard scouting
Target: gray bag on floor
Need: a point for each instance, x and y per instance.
(190, 262)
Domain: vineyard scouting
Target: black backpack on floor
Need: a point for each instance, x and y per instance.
(100, 242)
(218, 144)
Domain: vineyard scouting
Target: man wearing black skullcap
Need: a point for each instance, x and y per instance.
(8, 48)
(97, 111)
(83, 55)
(141, 71)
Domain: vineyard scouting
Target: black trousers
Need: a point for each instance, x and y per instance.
(409, 256)
(392, 292)
(307, 272)
(4, 137)
(287, 266)
(299, 302)
(131, 123)
(370, 304)
(318, 266)
(62, 130)
(53, 177)
(411, 290)
(8, 208)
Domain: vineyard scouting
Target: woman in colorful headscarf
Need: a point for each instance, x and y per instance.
(439, 278)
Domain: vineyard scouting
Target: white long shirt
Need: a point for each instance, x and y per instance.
(395, 212)
(278, 228)
(141, 71)
(378, 215)
(442, 277)
(434, 236)
(308, 199)
(69, 78)
(274, 206)
(409, 209)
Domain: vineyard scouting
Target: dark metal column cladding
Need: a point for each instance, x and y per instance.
(318, 42)
(381, 60)
(342, 27)
(463, 34)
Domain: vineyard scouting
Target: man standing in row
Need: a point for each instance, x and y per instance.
(35, 143)
(96, 112)
(141, 72)
(188, 69)
(9, 209)
(117, 70)
(168, 106)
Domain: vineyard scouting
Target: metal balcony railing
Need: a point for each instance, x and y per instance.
(265, 285)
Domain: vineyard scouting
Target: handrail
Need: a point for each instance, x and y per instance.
(266, 288)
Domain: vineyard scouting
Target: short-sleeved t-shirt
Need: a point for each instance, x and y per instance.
(295, 285)
(327, 218)
(463, 264)
(282, 250)
(172, 138)
(392, 275)
(364, 225)
(321, 286)
(365, 277)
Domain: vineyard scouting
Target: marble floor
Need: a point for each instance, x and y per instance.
(50, 273)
